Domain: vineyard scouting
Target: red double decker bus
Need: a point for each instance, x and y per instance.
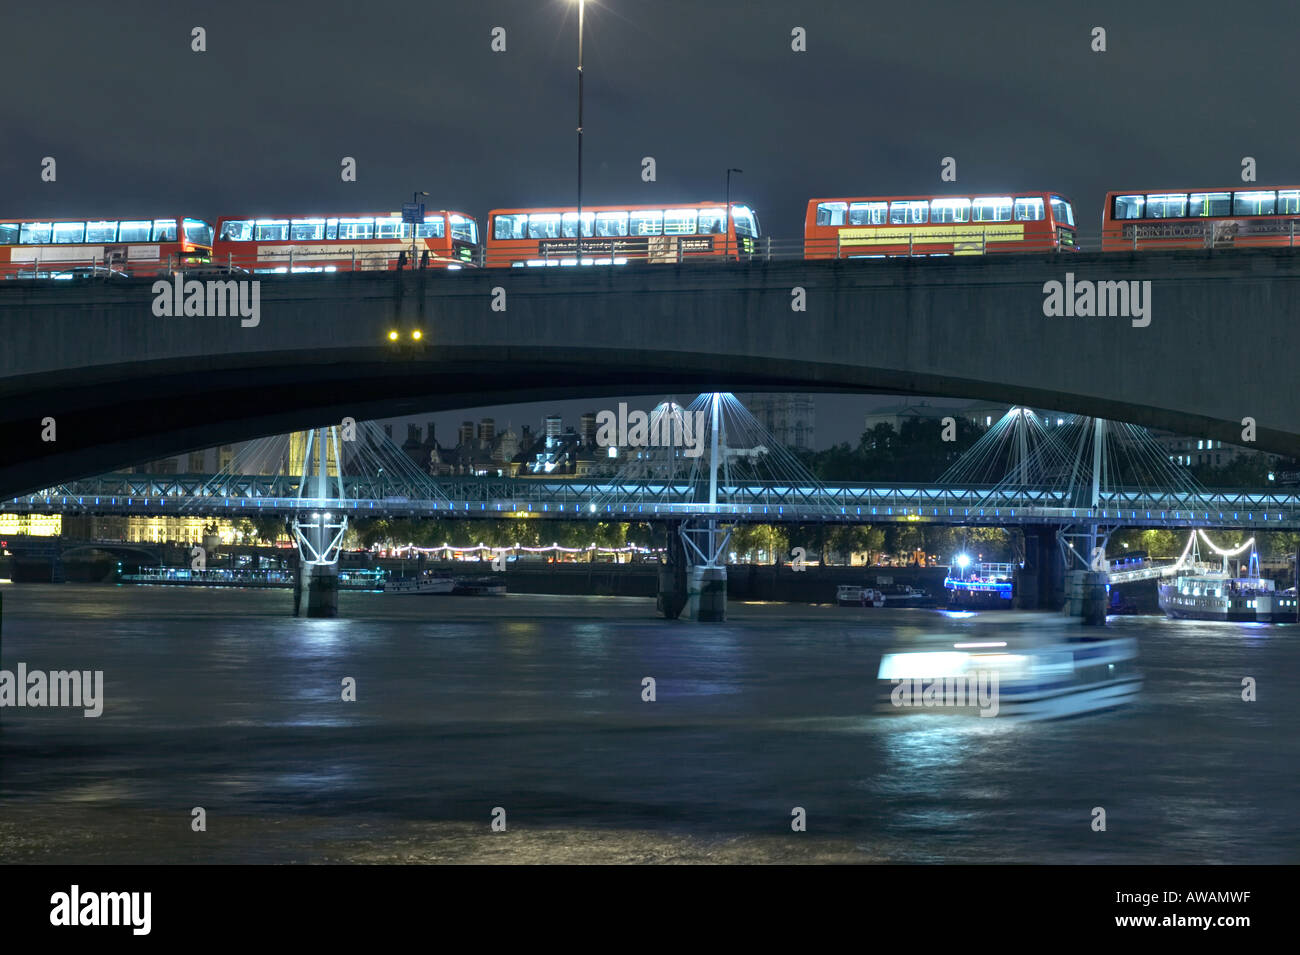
(615, 235)
(83, 248)
(1201, 219)
(341, 243)
(880, 226)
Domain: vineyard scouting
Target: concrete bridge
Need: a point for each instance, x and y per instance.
(123, 384)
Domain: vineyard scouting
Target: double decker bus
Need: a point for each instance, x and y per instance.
(880, 226)
(341, 243)
(1200, 219)
(615, 235)
(84, 248)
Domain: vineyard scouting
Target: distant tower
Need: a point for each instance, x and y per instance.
(465, 437)
(554, 426)
(507, 448)
(790, 417)
(487, 432)
(587, 429)
(296, 465)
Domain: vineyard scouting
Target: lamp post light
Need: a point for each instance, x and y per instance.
(415, 199)
(582, 9)
(726, 225)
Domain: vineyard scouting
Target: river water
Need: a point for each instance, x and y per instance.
(220, 699)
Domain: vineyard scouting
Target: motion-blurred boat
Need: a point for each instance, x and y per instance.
(1045, 682)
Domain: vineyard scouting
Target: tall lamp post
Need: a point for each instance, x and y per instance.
(582, 8)
(726, 225)
(415, 200)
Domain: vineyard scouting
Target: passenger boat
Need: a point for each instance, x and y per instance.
(427, 584)
(1032, 682)
(851, 595)
(987, 586)
(480, 587)
(905, 596)
(1225, 596)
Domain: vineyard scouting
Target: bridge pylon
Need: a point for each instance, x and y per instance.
(317, 530)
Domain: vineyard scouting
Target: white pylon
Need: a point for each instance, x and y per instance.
(318, 532)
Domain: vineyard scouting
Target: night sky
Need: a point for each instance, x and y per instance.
(141, 125)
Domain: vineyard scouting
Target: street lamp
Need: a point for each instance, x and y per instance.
(726, 225)
(582, 9)
(415, 200)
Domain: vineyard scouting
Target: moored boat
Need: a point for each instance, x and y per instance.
(1231, 597)
(426, 585)
(851, 595)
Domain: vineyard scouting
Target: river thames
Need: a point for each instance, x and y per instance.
(533, 705)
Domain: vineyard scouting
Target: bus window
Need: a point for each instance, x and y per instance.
(359, 228)
(136, 230)
(1211, 204)
(832, 213)
(9, 233)
(950, 210)
(303, 230)
(67, 233)
(711, 220)
(466, 229)
(746, 223)
(544, 225)
(1129, 207)
(331, 229)
(909, 212)
(867, 213)
(36, 233)
(1062, 212)
(164, 230)
(390, 227)
(510, 227)
(101, 231)
(994, 209)
(646, 223)
(1170, 205)
(271, 230)
(680, 221)
(433, 227)
(1254, 203)
(571, 224)
(196, 231)
(1030, 210)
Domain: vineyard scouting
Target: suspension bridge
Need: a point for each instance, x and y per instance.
(1068, 488)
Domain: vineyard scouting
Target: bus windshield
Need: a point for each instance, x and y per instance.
(745, 220)
(1062, 212)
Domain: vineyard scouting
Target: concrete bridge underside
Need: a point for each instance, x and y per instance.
(124, 386)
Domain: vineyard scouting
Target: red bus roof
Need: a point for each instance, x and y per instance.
(955, 195)
(628, 207)
(341, 215)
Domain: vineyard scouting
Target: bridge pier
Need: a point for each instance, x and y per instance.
(671, 597)
(706, 591)
(1040, 584)
(1087, 596)
(321, 581)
